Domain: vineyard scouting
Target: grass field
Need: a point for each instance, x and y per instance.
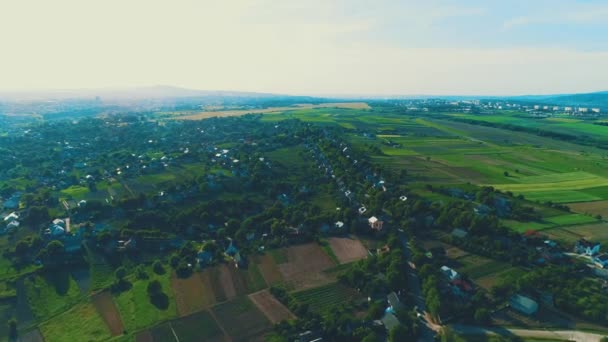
(241, 319)
(136, 309)
(476, 266)
(325, 297)
(81, 323)
(51, 293)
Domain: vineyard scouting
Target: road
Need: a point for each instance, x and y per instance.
(427, 329)
(566, 335)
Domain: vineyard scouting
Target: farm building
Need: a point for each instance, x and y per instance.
(523, 304)
(587, 247)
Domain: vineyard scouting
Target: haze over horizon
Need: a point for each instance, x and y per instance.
(308, 48)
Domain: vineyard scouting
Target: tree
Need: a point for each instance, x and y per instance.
(158, 268)
(22, 248)
(155, 288)
(399, 333)
(482, 316)
(12, 328)
(140, 272)
(506, 173)
(120, 273)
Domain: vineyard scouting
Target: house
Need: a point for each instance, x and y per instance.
(12, 226)
(595, 110)
(523, 304)
(587, 247)
(59, 222)
(459, 233)
(82, 203)
(127, 245)
(450, 273)
(11, 217)
(375, 223)
(204, 258)
(390, 321)
(13, 201)
(393, 302)
(601, 260)
(339, 224)
(461, 287)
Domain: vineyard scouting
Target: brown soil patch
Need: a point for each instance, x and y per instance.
(347, 249)
(226, 282)
(595, 208)
(271, 307)
(305, 265)
(192, 294)
(269, 269)
(271, 110)
(144, 336)
(109, 312)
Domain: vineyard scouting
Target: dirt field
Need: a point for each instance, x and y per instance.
(192, 294)
(347, 249)
(213, 276)
(226, 281)
(595, 208)
(109, 312)
(594, 232)
(144, 336)
(241, 319)
(225, 113)
(270, 306)
(269, 269)
(304, 266)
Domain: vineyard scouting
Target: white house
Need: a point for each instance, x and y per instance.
(450, 273)
(595, 110)
(59, 222)
(587, 247)
(601, 260)
(375, 223)
(11, 217)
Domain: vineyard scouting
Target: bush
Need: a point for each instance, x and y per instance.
(158, 267)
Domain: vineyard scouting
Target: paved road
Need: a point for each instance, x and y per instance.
(427, 329)
(566, 335)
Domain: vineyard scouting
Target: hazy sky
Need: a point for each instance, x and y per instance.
(308, 46)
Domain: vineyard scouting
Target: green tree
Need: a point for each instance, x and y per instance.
(12, 328)
(158, 267)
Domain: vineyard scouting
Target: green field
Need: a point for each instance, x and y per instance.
(325, 297)
(80, 323)
(137, 311)
(51, 293)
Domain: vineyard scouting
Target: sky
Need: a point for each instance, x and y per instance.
(308, 47)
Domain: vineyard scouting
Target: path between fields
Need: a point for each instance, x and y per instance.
(226, 336)
(568, 335)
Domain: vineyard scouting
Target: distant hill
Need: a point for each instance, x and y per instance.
(597, 99)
